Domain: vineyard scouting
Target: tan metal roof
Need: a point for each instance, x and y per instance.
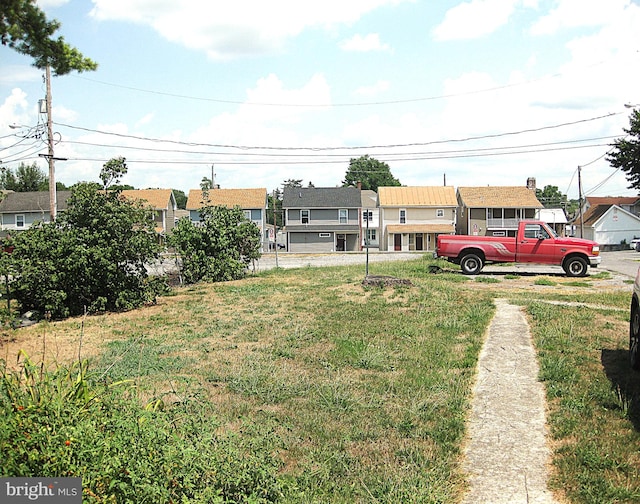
(244, 198)
(498, 196)
(417, 196)
(158, 199)
(420, 228)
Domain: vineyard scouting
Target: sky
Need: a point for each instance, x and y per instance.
(462, 93)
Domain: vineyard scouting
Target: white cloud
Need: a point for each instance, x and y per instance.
(358, 43)
(16, 74)
(14, 110)
(578, 13)
(229, 29)
(45, 4)
(373, 90)
(474, 19)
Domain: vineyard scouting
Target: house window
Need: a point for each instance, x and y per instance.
(324, 235)
(19, 221)
(371, 235)
(367, 216)
(403, 216)
(342, 215)
(439, 212)
(247, 214)
(304, 216)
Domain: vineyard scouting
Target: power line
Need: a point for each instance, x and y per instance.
(307, 155)
(347, 148)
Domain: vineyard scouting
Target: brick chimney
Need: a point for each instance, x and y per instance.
(531, 183)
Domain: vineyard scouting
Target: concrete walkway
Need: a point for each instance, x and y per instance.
(506, 455)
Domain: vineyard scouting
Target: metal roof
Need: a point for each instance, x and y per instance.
(417, 196)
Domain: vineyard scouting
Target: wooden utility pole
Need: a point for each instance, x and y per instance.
(580, 202)
(53, 200)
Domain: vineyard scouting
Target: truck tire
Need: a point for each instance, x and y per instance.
(471, 264)
(634, 336)
(575, 266)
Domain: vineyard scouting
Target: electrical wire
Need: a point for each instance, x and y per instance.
(388, 146)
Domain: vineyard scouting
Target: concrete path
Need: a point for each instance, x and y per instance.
(506, 455)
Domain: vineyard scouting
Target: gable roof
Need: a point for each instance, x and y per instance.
(368, 198)
(32, 201)
(158, 199)
(597, 212)
(243, 198)
(612, 200)
(321, 197)
(498, 197)
(417, 196)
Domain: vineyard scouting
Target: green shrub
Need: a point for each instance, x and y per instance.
(65, 423)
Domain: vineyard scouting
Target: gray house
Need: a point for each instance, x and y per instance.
(322, 219)
(19, 210)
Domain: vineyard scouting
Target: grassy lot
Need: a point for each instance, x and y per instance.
(354, 394)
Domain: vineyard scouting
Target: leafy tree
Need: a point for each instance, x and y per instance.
(26, 29)
(91, 258)
(626, 152)
(370, 172)
(550, 197)
(26, 178)
(112, 171)
(292, 183)
(181, 198)
(219, 248)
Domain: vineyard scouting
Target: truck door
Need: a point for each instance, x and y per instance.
(535, 245)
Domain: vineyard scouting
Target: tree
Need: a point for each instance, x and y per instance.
(112, 171)
(26, 29)
(181, 198)
(219, 248)
(370, 172)
(626, 152)
(551, 197)
(292, 183)
(26, 178)
(91, 258)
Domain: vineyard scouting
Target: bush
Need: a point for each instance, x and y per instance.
(219, 248)
(92, 258)
(65, 423)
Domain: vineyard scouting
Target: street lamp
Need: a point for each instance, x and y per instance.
(631, 105)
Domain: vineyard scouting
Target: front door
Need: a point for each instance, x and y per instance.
(341, 241)
(397, 242)
(419, 245)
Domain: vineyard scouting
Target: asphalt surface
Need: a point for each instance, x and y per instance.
(625, 262)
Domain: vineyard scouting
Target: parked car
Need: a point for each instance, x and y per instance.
(634, 324)
(635, 244)
(535, 242)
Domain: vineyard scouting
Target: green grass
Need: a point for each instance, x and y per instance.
(317, 389)
(594, 407)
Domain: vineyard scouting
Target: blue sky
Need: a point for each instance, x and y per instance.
(478, 92)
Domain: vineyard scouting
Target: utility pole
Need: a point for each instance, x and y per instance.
(275, 227)
(53, 200)
(580, 202)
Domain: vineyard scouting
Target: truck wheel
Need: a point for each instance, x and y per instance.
(471, 264)
(575, 267)
(634, 336)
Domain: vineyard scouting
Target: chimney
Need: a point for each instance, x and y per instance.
(531, 183)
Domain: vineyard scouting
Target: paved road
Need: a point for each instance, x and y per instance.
(625, 262)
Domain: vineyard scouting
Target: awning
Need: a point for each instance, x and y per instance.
(421, 228)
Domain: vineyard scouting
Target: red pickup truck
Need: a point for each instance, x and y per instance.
(535, 242)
